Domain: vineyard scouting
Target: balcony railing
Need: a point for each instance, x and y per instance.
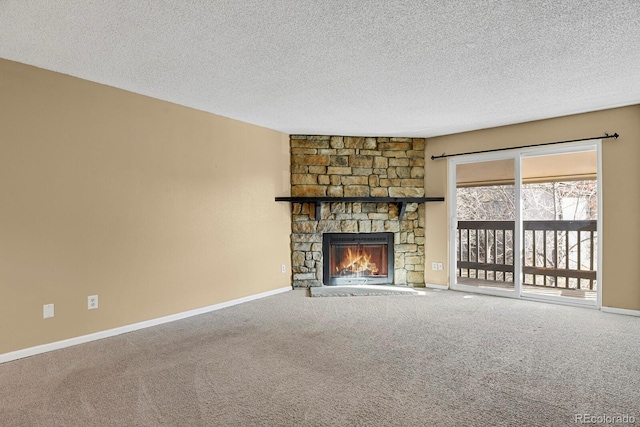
(558, 254)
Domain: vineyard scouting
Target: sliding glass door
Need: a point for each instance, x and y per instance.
(525, 223)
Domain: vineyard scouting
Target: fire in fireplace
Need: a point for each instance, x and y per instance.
(357, 258)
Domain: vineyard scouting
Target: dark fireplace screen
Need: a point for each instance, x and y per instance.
(357, 258)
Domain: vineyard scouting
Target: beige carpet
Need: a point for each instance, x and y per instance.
(445, 358)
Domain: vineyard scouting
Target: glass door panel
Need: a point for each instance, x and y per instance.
(486, 215)
(559, 219)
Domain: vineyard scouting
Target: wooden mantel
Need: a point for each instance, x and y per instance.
(401, 202)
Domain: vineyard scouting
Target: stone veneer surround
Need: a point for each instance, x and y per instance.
(337, 166)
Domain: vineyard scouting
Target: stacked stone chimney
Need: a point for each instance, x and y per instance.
(337, 166)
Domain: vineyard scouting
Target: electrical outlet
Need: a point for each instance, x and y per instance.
(47, 311)
(434, 266)
(92, 302)
(283, 269)
(440, 266)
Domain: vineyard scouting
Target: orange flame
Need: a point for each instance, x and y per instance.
(354, 263)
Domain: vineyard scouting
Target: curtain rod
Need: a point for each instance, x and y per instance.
(606, 136)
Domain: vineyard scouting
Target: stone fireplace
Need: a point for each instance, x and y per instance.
(357, 167)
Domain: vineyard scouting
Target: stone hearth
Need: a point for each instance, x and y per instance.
(337, 166)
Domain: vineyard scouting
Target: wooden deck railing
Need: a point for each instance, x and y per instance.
(556, 253)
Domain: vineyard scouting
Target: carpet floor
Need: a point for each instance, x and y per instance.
(443, 358)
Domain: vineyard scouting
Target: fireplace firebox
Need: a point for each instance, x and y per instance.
(357, 258)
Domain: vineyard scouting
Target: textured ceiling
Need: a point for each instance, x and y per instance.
(357, 67)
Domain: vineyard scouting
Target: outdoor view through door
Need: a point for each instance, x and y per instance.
(486, 212)
(557, 237)
(560, 213)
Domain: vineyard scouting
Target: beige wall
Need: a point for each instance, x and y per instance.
(620, 180)
(156, 208)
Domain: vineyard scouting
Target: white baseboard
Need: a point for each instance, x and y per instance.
(621, 311)
(32, 351)
(434, 286)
